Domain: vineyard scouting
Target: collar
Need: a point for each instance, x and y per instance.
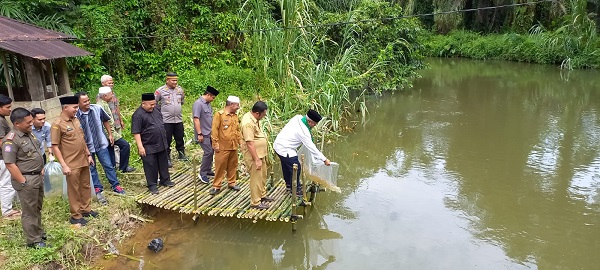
(305, 122)
(37, 129)
(20, 133)
(64, 117)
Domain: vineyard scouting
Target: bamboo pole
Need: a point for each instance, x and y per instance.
(294, 201)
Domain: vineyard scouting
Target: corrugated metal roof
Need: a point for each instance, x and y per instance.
(43, 50)
(35, 42)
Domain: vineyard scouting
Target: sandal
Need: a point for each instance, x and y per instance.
(12, 215)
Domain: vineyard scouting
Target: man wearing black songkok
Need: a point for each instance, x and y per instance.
(151, 139)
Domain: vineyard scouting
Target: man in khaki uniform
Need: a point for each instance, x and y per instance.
(226, 139)
(255, 152)
(70, 149)
(25, 164)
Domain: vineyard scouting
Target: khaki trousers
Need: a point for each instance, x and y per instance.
(226, 161)
(32, 199)
(78, 190)
(258, 180)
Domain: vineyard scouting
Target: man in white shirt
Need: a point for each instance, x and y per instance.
(295, 133)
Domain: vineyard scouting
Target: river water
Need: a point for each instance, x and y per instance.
(482, 165)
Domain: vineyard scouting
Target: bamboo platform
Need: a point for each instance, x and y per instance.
(189, 196)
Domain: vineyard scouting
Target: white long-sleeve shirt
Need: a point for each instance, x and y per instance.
(294, 134)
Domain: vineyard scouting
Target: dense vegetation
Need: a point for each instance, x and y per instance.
(562, 32)
(294, 54)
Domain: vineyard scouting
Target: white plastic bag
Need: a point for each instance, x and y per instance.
(53, 179)
(318, 172)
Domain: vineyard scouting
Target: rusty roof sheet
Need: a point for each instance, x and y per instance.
(43, 50)
(11, 29)
(35, 42)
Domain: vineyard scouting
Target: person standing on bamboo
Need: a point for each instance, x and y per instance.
(255, 151)
(170, 98)
(25, 163)
(203, 117)
(7, 192)
(110, 103)
(295, 133)
(70, 149)
(149, 134)
(226, 140)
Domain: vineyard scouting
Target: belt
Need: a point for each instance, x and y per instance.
(31, 173)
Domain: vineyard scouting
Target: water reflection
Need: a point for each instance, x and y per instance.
(484, 165)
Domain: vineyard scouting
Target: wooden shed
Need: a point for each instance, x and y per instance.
(34, 66)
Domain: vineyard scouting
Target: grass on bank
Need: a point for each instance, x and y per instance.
(77, 248)
(570, 52)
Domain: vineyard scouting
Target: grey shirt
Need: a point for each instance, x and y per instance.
(203, 111)
(4, 129)
(169, 102)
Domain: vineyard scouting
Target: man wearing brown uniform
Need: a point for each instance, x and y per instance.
(25, 164)
(255, 152)
(70, 149)
(226, 137)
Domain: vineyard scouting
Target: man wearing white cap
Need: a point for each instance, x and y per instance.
(105, 100)
(226, 138)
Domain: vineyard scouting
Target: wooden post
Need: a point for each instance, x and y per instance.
(63, 76)
(52, 81)
(34, 80)
(7, 75)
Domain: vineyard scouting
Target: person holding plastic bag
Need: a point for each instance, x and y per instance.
(25, 164)
(70, 149)
(295, 133)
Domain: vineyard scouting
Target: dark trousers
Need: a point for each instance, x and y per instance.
(155, 165)
(287, 167)
(174, 130)
(124, 149)
(207, 157)
(32, 199)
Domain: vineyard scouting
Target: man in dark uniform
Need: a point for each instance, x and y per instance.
(68, 145)
(151, 139)
(25, 164)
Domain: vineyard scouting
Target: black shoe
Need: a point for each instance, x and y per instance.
(214, 191)
(128, 169)
(169, 163)
(235, 187)
(153, 190)
(182, 156)
(167, 184)
(41, 244)
(92, 213)
(210, 173)
(267, 199)
(81, 221)
(261, 206)
(44, 237)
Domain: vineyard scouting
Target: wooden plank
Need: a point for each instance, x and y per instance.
(63, 76)
(7, 75)
(34, 80)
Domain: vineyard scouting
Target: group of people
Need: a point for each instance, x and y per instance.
(222, 134)
(85, 131)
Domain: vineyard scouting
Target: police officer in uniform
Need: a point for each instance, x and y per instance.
(151, 140)
(169, 99)
(25, 164)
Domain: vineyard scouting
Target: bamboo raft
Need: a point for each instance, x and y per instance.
(189, 196)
